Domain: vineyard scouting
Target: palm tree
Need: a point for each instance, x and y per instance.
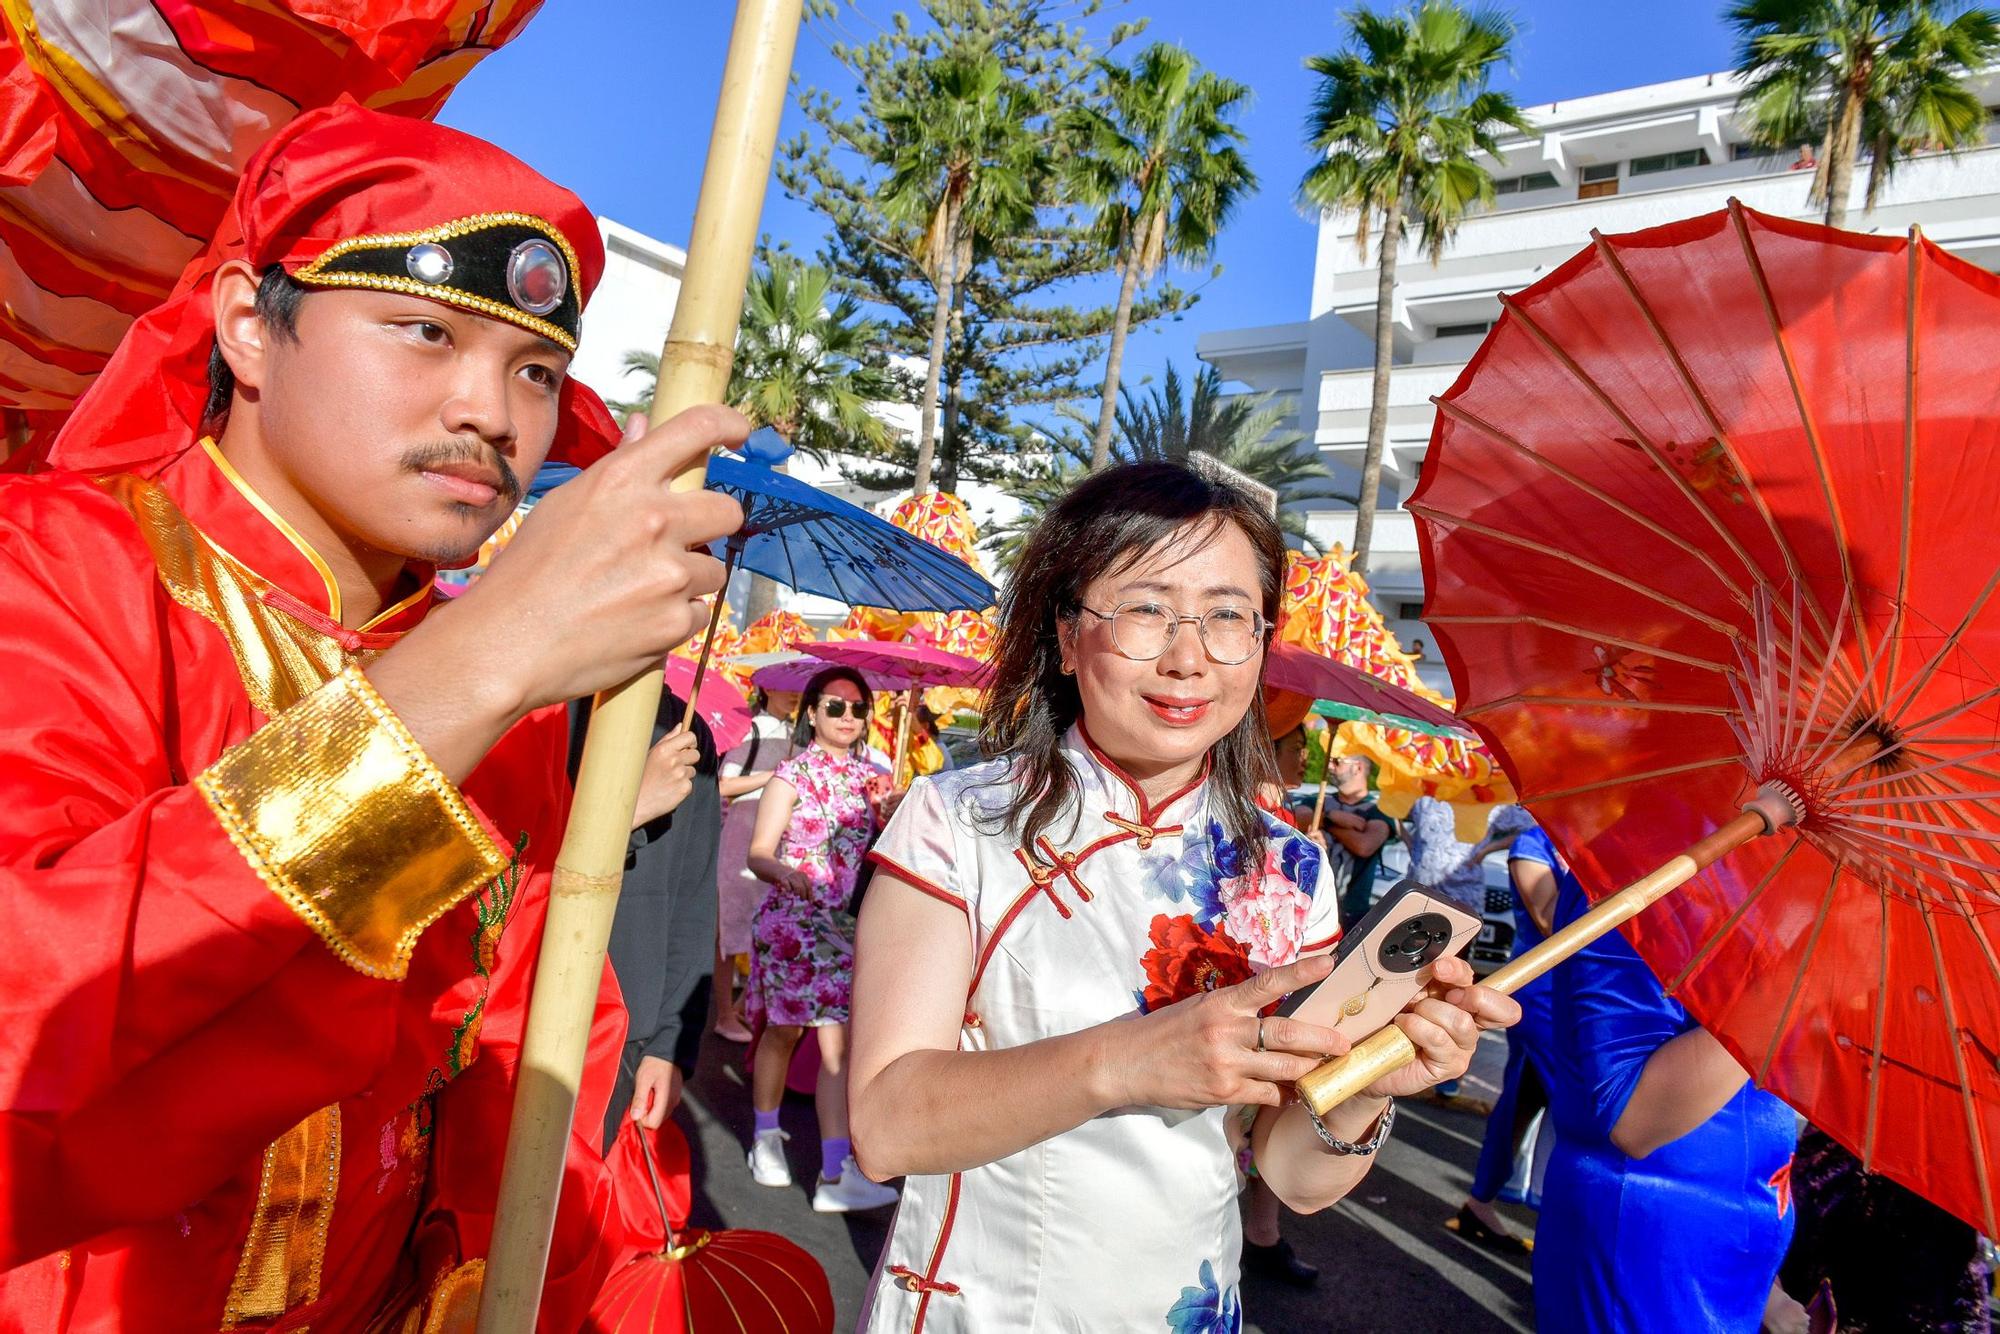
(806, 365)
(1398, 116)
(1157, 156)
(1241, 431)
(646, 365)
(1885, 73)
(963, 165)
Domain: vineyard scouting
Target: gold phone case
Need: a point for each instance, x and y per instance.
(1384, 962)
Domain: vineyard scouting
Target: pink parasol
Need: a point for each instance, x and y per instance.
(1307, 673)
(721, 705)
(902, 666)
(791, 671)
(906, 667)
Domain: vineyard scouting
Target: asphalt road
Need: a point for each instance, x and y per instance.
(1386, 1262)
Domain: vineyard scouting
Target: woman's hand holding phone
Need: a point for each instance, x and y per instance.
(1202, 1052)
(1444, 1023)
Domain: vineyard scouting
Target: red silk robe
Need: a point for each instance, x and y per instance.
(266, 969)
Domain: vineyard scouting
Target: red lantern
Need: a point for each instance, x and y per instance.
(707, 1281)
(733, 1279)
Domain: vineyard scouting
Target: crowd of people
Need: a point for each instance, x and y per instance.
(1661, 1179)
(1617, 1119)
(282, 830)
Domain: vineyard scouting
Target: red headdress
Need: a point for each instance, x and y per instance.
(346, 197)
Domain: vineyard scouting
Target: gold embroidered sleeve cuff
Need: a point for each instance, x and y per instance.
(337, 807)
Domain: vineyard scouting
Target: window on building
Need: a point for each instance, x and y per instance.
(1598, 179)
(1409, 611)
(1464, 330)
(1534, 180)
(1744, 152)
(1687, 157)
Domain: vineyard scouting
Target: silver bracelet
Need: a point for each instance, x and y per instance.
(1341, 1146)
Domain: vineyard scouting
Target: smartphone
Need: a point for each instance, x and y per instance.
(1383, 963)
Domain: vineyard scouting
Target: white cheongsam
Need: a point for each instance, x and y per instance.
(1129, 1221)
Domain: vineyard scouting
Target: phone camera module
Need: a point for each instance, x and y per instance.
(1415, 942)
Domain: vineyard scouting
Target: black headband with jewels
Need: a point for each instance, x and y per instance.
(509, 266)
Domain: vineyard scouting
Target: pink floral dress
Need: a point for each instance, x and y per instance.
(802, 945)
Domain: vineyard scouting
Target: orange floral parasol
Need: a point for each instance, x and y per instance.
(728, 643)
(1327, 611)
(774, 632)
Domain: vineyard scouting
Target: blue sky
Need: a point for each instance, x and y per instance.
(613, 99)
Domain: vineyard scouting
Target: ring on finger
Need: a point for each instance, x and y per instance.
(1260, 1033)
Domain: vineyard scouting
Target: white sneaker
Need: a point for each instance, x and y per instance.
(767, 1159)
(850, 1191)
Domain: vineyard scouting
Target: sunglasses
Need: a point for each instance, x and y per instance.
(837, 708)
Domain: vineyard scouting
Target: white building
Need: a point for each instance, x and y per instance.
(630, 311)
(1614, 162)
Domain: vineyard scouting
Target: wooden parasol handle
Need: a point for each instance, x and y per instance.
(733, 550)
(694, 369)
(1388, 1050)
(903, 739)
(1325, 768)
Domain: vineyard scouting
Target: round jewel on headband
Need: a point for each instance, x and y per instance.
(536, 277)
(429, 263)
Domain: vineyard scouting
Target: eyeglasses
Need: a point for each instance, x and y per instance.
(1142, 631)
(835, 707)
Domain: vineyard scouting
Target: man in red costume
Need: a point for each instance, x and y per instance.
(278, 826)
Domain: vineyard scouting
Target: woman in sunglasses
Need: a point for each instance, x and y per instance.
(813, 827)
(1068, 952)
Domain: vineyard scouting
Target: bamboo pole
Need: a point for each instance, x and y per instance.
(1388, 1050)
(694, 368)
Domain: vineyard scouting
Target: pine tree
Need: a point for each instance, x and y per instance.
(1023, 341)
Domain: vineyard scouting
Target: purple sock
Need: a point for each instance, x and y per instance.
(767, 1120)
(832, 1154)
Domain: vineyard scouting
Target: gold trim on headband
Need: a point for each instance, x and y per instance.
(314, 273)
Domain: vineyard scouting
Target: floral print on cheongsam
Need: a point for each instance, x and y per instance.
(802, 945)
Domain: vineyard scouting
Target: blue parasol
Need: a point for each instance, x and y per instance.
(815, 542)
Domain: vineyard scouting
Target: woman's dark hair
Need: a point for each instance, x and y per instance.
(278, 298)
(1109, 521)
(802, 731)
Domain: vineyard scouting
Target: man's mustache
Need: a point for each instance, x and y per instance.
(446, 452)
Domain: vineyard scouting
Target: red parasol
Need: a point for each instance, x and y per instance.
(721, 705)
(1708, 514)
(124, 124)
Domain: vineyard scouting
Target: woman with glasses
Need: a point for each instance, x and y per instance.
(1069, 952)
(813, 827)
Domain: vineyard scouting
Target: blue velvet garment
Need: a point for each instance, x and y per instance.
(1527, 1042)
(1686, 1239)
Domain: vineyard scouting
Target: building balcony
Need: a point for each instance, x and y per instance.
(1955, 200)
(1341, 424)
